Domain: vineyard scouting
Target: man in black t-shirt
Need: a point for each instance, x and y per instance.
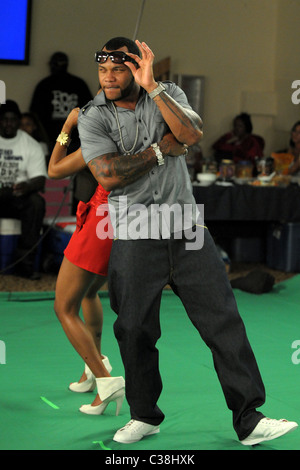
(56, 95)
(53, 99)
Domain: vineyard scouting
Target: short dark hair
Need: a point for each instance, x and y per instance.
(59, 62)
(10, 107)
(59, 59)
(118, 42)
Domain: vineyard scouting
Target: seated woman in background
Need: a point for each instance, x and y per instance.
(239, 144)
(287, 162)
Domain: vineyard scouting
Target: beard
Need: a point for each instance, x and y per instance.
(124, 93)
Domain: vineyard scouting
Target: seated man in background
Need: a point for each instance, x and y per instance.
(22, 177)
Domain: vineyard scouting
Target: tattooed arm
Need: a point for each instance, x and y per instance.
(184, 123)
(116, 171)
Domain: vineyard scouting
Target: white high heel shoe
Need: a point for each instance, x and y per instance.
(109, 389)
(90, 383)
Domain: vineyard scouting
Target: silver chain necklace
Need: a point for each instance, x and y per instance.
(127, 152)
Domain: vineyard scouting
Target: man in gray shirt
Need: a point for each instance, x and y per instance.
(133, 137)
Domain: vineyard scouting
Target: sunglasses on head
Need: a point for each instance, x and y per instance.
(117, 57)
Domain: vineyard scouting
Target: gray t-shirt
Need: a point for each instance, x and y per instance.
(160, 202)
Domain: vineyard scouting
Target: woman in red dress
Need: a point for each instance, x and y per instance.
(82, 273)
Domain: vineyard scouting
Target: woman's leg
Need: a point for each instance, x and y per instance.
(93, 314)
(93, 311)
(72, 285)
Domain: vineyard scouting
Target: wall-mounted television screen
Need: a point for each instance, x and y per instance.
(15, 31)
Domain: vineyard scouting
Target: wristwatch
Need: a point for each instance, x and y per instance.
(159, 155)
(160, 87)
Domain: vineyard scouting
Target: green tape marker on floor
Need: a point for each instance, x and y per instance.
(101, 445)
(50, 403)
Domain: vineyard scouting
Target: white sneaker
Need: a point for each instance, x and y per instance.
(134, 431)
(268, 429)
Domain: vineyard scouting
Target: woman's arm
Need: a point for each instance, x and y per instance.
(62, 165)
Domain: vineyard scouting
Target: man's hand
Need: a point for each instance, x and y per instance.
(21, 189)
(144, 74)
(170, 146)
(25, 187)
(184, 123)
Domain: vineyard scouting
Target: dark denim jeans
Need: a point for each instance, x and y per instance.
(139, 270)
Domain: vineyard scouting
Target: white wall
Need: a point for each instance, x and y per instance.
(247, 50)
(287, 69)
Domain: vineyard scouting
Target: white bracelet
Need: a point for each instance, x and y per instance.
(160, 87)
(159, 155)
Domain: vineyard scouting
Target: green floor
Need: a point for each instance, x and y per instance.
(38, 412)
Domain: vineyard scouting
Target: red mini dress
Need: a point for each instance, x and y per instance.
(90, 245)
